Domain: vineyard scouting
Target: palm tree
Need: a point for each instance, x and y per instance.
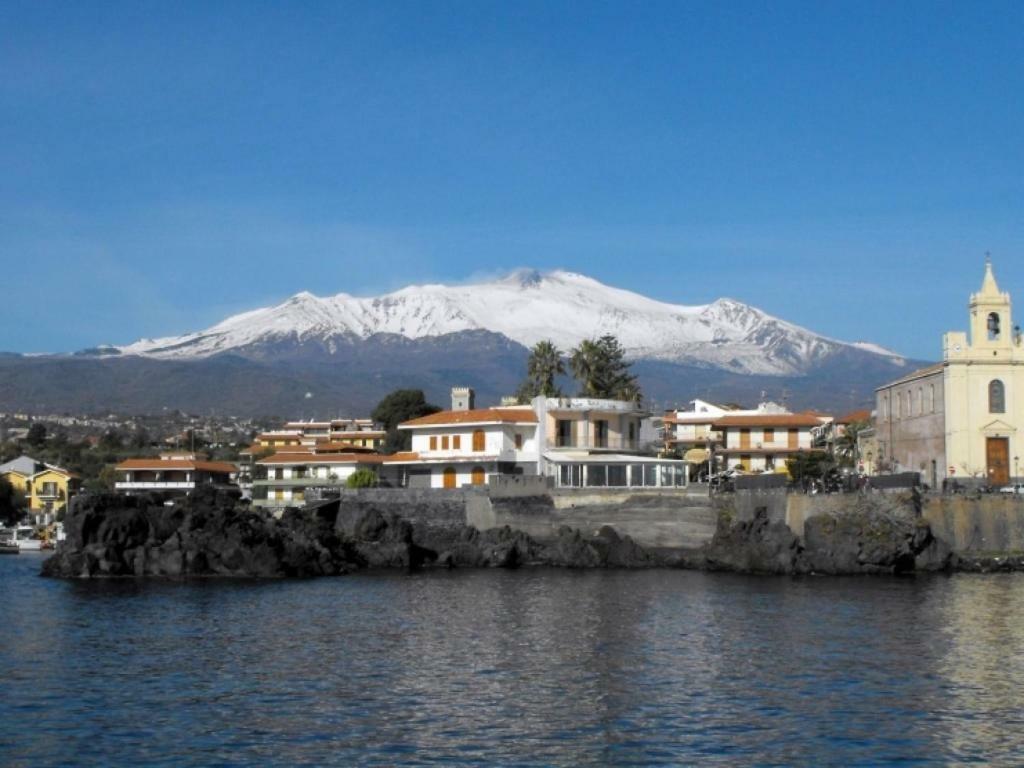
(846, 443)
(587, 366)
(544, 365)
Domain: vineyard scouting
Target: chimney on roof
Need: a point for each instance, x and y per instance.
(463, 399)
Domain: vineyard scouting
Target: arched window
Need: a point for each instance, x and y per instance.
(931, 397)
(996, 397)
(885, 407)
(479, 441)
(993, 326)
(920, 401)
(478, 476)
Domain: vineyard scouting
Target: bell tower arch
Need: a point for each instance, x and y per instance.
(991, 319)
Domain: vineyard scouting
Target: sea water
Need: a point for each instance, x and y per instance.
(529, 667)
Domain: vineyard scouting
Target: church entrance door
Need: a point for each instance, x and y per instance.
(997, 457)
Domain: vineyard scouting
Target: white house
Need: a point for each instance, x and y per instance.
(290, 478)
(454, 448)
(578, 442)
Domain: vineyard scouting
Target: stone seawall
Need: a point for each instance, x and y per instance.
(680, 520)
(663, 521)
(989, 524)
(666, 520)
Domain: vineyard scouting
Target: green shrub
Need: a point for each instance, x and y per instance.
(362, 478)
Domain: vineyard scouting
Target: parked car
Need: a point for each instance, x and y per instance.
(1017, 488)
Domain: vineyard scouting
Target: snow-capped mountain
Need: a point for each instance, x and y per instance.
(526, 307)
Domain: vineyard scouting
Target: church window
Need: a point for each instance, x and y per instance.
(993, 326)
(931, 397)
(996, 397)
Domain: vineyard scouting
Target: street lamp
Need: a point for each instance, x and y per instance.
(1016, 469)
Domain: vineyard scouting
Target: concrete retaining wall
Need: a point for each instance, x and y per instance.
(676, 519)
(658, 520)
(990, 524)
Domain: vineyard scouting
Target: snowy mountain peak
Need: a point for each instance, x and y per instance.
(526, 306)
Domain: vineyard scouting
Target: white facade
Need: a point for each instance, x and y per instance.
(284, 480)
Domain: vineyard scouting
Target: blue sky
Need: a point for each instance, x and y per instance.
(842, 165)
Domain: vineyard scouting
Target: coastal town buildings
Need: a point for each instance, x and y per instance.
(762, 442)
(291, 478)
(577, 442)
(362, 433)
(962, 418)
(172, 474)
(321, 437)
(47, 488)
(690, 434)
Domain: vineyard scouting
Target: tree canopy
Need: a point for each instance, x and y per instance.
(846, 443)
(396, 407)
(543, 367)
(600, 367)
(12, 503)
(36, 436)
(362, 478)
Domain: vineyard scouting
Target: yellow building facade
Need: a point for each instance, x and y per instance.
(47, 489)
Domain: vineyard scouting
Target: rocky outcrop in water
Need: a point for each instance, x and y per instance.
(868, 537)
(214, 535)
(210, 534)
(206, 535)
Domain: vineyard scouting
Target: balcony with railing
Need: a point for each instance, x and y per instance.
(155, 485)
(50, 492)
(594, 442)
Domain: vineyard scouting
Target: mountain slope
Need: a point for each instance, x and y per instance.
(524, 307)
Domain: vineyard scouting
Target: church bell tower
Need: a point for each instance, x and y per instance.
(991, 321)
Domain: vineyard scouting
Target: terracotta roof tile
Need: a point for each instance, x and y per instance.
(157, 464)
(852, 416)
(768, 420)
(524, 415)
(402, 456)
(323, 458)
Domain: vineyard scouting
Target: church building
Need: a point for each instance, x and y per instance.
(963, 418)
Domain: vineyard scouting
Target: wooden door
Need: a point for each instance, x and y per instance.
(744, 438)
(478, 476)
(997, 457)
(479, 441)
(449, 477)
(794, 438)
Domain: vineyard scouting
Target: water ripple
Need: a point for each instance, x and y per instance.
(537, 667)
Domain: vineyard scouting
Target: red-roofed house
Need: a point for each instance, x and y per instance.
(172, 474)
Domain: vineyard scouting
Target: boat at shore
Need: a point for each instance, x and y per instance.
(21, 538)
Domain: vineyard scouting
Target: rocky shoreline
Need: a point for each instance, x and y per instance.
(213, 535)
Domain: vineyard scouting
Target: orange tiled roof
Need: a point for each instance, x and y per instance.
(768, 420)
(524, 415)
(861, 415)
(322, 458)
(402, 456)
(158, 463)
